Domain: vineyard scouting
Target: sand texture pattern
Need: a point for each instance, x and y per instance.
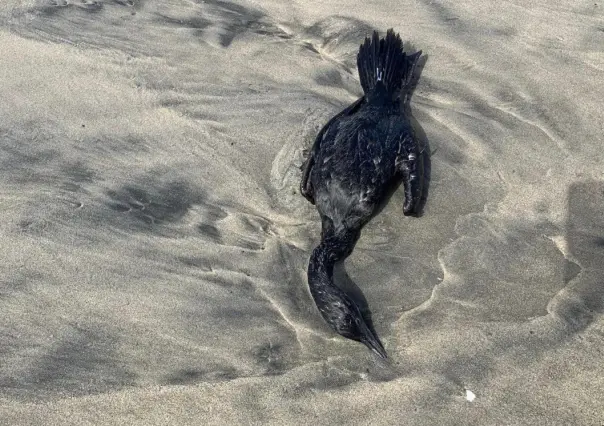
(155, 243)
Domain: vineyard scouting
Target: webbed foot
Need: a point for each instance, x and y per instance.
(305, 186)
(412, 171)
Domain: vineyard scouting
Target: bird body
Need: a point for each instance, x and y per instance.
(356, 159)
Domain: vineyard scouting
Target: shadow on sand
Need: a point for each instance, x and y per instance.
(583, 298)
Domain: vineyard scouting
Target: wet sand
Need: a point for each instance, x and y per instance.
(155, 243)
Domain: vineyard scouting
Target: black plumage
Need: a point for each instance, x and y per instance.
(356, 159)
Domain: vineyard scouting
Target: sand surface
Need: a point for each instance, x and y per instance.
(154, 243)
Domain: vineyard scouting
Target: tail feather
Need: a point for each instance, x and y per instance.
(384, 60)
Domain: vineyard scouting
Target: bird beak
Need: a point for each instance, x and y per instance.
(372, 342)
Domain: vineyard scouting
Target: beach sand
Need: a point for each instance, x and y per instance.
(155, 244)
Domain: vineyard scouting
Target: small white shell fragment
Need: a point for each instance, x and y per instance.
(470, 396)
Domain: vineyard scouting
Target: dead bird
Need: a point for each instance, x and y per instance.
(356, 159)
